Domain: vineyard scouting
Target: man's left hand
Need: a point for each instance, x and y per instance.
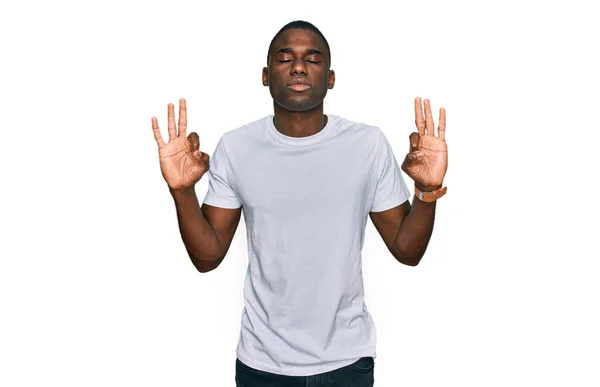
(427, 161)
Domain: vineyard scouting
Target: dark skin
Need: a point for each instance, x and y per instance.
(297, 53)
(405, 229)
(299, 56)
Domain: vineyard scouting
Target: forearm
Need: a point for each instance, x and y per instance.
(197, 234)
(414, 232)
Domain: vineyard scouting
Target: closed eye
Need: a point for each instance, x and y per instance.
(309, 61)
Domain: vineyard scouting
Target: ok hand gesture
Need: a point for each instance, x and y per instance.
(427, 161)
(181, 162)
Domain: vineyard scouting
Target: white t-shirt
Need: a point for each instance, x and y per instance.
(305, 202)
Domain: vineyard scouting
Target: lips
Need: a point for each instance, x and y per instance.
(299, 87)
(299, 84)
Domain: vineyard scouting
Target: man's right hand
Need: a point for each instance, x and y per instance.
(181, 162)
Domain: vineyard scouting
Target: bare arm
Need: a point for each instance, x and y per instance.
(406, 230)
(206, 232)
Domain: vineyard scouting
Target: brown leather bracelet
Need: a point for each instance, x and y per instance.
(430, 196)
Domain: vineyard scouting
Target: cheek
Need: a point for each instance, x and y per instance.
(323, 79)
(275, 79)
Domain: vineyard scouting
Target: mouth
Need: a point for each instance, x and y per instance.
(299, 87)
(299, 84)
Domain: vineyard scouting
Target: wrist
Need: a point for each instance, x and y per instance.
(181, 192)
(428, 188)
(429, 195)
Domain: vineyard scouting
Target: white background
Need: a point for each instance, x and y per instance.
(96, 288)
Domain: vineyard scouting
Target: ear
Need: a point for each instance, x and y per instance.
(265, 76)
(331, 80)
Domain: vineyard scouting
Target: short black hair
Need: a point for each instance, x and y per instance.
(303, 25)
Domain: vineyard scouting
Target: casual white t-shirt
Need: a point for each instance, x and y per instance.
(305, 202)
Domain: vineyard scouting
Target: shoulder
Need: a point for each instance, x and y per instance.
(247, 139)
(368, 134)
(242, 134)
(351, 124)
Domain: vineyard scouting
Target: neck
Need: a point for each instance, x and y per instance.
(299, 124)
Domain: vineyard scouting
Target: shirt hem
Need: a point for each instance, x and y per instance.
(391, 203)
(216, 201)
(303, 371)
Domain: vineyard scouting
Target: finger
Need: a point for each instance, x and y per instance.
(414, 141)
(203, 160)
(412, 156)
(182, 123)
(194, 140)
(409, 161)
(172, 128)
(419, 120)
(429, 125)
(442, 126)
(157, 135)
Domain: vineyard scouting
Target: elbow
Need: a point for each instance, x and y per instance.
(204, 265)
(203, 268)
(408, 260)
(407, 257)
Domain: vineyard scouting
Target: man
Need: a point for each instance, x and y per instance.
(306, 182)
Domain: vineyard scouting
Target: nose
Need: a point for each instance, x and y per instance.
(298, 67)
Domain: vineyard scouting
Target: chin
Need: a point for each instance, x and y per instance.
(300, 102)
(298, 108)
(298, 105)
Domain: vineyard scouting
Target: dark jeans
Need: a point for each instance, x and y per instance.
(358, 374)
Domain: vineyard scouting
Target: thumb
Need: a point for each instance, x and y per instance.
(203, 159)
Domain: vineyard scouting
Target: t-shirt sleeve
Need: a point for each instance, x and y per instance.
(220, 192)
(391, 190)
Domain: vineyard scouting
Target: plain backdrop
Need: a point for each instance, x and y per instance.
(96, 288)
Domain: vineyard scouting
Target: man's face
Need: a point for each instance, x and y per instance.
(298, 75)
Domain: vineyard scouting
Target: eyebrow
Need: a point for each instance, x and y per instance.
(288, 50)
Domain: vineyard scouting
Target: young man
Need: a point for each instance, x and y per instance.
(306, 182)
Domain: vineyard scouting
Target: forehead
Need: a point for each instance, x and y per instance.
(299, 38)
